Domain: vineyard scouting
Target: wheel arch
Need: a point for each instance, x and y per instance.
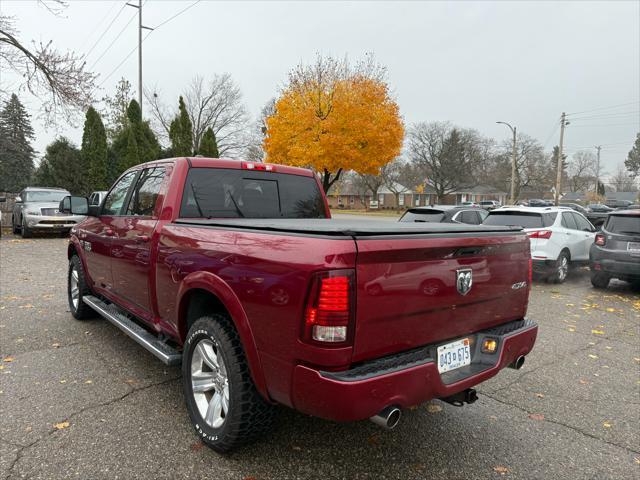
(204, 293)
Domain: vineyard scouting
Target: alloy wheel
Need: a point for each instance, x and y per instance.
(210, 383)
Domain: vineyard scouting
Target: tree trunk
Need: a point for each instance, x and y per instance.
(327, 181)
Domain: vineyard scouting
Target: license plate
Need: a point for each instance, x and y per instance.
(454, 355)
(633, 248)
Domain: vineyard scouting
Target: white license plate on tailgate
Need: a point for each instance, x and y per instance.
(633, 248)
(454, 355)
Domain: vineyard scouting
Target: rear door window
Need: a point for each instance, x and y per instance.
(568, 221)
(145, 193)
(118, 194)
(230, 193)
(469, 216)
(522, 219)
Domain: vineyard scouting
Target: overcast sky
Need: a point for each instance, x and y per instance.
(471, 63)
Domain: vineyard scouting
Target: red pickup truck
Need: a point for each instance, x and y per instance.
(236, 270)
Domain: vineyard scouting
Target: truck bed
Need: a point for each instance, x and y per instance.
(350, 228)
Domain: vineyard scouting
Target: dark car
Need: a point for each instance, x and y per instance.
(445, 214)
(576, 207)
(536, 202)
(599, 208)
(616, 250)
(596, 218)
(618, 203)
(2, 199)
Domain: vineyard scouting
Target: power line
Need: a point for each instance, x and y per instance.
(145, 37)
(113, 41)
(555, 127)
(605, 108)
(607, 125)
(106, 29)
(606, 115)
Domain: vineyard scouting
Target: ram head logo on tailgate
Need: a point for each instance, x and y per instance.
(464, 280)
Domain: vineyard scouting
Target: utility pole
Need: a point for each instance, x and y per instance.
(140, 27)
(514, 155)
(598, 147)
(563, 123)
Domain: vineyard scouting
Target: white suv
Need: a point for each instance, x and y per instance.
(559, 236)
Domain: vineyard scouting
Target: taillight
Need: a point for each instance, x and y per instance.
(530, 275)
(265, 167)
(600, 239)
(546, 234)
(329, 309)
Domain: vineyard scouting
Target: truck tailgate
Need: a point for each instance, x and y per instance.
(407, 294)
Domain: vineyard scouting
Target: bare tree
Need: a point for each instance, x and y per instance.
(253, 150)
(582, 171)
(216, 104)
(59, 80)
(445, 155)
(623, 181)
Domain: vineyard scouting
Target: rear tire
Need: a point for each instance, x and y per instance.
(223, 404)
(600, 280)
(76, 289)
(560, 269)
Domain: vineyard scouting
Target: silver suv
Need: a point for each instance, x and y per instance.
(37, 209)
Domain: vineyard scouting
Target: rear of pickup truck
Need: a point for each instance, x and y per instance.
(428, 315)
(378, 315)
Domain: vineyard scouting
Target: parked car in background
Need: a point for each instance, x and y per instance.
(536, 202)
(96, 198)
(490, 204)
(469, 204)
(596, 218)
(618, 203)
(616, 250)
(632, 206)
(445, 214)
(559, 237)
(599, 207)
(37, 208)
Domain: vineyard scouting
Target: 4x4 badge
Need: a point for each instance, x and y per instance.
(464, 280)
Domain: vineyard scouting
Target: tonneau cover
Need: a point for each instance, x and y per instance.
(345, 227)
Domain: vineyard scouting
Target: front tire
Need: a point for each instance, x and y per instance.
(14, 227)
(600, 280)
(76, 289)
(24, 230)
(223, 404)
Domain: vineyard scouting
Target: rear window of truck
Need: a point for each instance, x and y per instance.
(623, 224)
(522, 219)
(227, 193)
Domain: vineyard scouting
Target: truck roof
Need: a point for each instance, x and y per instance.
(204, 162)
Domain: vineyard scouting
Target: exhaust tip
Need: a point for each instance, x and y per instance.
(388, 418)
(518, 363)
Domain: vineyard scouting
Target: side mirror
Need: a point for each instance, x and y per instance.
(74, 205)
(18, 199)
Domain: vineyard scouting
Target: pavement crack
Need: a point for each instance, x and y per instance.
(22, 448)
(565, 425)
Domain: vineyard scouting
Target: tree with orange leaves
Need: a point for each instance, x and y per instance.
(333, 117)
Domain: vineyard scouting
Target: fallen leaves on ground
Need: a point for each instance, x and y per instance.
(540, 395)
(606, 425)
(597, 332)
(196, 446)
(61, 425)
(55, 345)
(536, 416)
(593, 356)
(583, 382)
(501, 470)
(433, 408)
(7, 359)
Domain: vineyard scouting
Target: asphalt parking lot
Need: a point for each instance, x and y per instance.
(81, 400)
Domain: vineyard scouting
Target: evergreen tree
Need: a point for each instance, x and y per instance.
(94, 151)
(209, 145)
(601, 190)
(63, 167)
(131, 154)
(16, 153)
(115, 113)
(181, 132)
(134, 145)
(633, 158)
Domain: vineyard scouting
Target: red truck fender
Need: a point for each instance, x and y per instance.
(222, 291)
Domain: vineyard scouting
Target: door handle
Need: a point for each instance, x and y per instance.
(142, 238)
